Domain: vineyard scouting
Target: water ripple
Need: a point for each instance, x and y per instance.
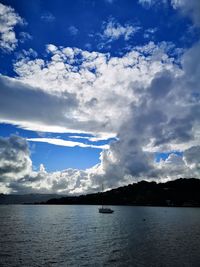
(62, 236)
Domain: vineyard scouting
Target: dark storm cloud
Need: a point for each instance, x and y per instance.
(14, 157)
(22, 102)
(192, 157)
(161, 85)
(165, 115)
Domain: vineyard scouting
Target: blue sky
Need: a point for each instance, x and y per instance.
(50, 22)
(98, 91)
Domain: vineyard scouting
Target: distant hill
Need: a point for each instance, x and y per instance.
(181, 192)
(25, 199)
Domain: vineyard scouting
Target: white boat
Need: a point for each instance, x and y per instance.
(103, 209)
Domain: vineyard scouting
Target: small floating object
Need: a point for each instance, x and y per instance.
(105, 210)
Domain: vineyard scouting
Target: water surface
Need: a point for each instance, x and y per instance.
(80, 236)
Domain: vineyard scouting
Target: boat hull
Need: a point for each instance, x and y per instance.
(105, 210)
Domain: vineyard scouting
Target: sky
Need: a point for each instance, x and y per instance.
(96, 92)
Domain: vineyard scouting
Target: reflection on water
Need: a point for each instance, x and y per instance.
(81, 236)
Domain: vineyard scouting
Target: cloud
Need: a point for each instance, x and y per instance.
(9, 19)
(152, 3)
(17, 175)
(114, 30)
(14, 159)
(191, 158)
(21, 103)
(166, 115)
(73, 30)
(24, 36)
(96, 138)
(96, 85)
(61, 142)
(149, 33)
(47, 17)
(26, 54)
(188, 8)
(144, 98)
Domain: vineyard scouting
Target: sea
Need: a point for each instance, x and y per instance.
(78, 235)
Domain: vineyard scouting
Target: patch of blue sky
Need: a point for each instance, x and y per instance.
(164, 155)
(9, 129)
(56, 158)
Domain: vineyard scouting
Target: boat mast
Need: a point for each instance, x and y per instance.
(102, 195)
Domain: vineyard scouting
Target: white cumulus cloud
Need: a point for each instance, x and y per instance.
(99, 86)
(114, 30)
(8, 20)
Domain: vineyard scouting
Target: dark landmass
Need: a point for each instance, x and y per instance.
(181, 192)
(26, 198)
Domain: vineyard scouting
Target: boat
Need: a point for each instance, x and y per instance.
(103, 209)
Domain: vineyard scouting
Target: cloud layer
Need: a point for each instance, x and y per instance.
(61, 142)
(101, 88)
(115, 169)
(148, 99)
